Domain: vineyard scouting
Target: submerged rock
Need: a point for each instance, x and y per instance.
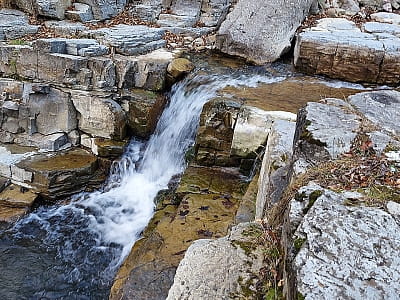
(261, 31)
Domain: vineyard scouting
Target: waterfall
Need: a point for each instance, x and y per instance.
(82, 244)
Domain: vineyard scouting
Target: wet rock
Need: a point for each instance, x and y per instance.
(14, 24)
(345, 52)
(143, 108)
(197, 277)
(174, 227)
(346, 251)
(179, 67)
(60, 174)
(107, 148)
(215, 133)
(261, 32)
(152, 70)
(99, 115)
(47, 8)
(129, 40)
(15, 203)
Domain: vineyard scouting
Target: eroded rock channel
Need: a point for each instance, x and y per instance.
(138, 161)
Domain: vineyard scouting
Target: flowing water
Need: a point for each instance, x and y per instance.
(73, 251)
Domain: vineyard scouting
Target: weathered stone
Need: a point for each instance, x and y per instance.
(215, 133)
(10, 155)
(143, 109)
(81, 13)
(107, 148)
(14, 24)
(386, 17)
(61, 174)
(323, 132)
(65, 27)
(15, 203)
(381, 107)
(169, 20)
(198, 278)
(252, 128)
(152, 70)
(346, 251)
(275, 168)
(337, 48)
(18, 61)
(47, 8)
(99, 115)
(104, 73)
(259, 31)
(129, 40)
(179, 67)
(64, 69)
(52, 111)
(213, 12)
(105, 9)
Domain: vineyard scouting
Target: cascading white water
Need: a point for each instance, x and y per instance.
(107, 223)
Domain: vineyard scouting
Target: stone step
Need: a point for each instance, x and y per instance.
(15, 202)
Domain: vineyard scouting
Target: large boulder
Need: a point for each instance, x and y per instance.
(261, 31)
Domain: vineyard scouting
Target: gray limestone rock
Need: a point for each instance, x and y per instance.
(14, 24)
(274, 172)
(99, 115)
(66, 27)
(48, 8)
(105, 9)
(324, 132)
(347, 252)
(381, 107)
(337, 48)
(214, 269)
(261, 31)
(129, 40)
(81, 13)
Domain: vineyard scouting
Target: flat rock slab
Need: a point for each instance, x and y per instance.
(338, 49)
(59, 174)
(14, 24)
(15, 202)
(130, 40)
(346, 252)
(261, 31)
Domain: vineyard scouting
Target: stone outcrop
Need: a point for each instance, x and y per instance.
(338, 48)
(14, 24)
(261, 31)
(46, 8)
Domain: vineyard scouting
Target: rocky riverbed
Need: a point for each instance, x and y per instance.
(140, 160)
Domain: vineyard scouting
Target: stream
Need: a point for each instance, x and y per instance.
(73, 251)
